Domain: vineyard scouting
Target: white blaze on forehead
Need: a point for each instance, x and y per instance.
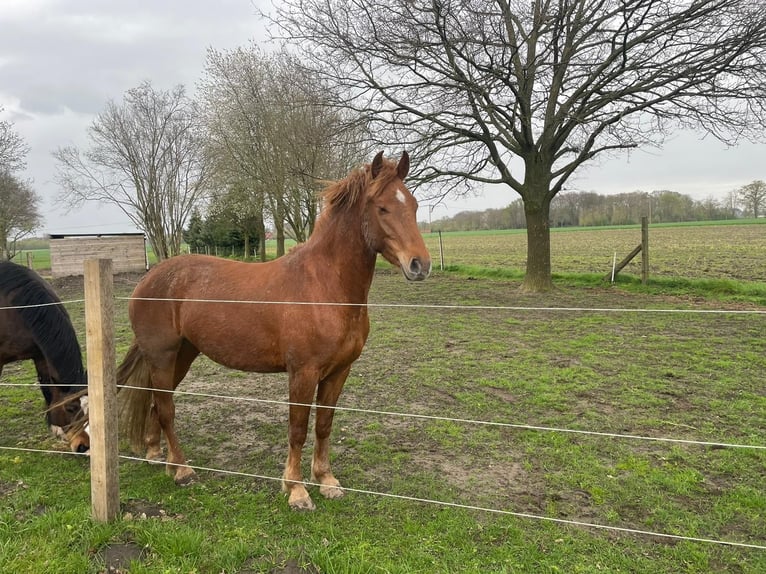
(400, 196)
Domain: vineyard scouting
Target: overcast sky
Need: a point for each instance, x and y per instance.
(61, 60)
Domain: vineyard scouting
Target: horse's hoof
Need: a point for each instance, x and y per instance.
(302, 504)
(332, 492)
(155, 456)
(186, 479)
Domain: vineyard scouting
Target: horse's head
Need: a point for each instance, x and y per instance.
(67, 414)
(391, 226)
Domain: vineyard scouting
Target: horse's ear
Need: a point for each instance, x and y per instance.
(403, 167)
(377, 163)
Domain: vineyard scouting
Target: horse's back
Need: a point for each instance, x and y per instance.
(242, 315)
(198, 278)
(22, 290)
(20, 285)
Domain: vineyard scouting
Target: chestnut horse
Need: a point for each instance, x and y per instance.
(34, 325)
(304, 314)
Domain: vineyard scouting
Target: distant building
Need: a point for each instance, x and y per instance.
(69, 252)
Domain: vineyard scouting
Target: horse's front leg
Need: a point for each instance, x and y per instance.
(327, 394)
(302, 387)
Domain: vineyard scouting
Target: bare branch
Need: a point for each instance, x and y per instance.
(13, 150)
(19, 212)
(145, 157)
(470, 84)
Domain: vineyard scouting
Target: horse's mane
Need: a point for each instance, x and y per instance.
(347, 192)
(344, 195)
(50, 325)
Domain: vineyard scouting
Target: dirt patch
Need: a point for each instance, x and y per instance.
(117, 558)
(7, 488)
(290, 566)
(141, 510)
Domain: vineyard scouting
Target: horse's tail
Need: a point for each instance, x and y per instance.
(136, 400)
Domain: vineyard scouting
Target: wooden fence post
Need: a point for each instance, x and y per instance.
(644, 250)
(102, 389)
(441, 251)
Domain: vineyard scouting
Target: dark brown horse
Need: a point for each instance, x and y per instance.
(287, 326)
(35, 326)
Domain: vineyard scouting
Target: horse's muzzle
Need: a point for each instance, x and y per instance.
(79, 440)
(417, 269)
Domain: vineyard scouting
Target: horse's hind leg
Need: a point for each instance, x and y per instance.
(176, 461)
(153, 436)
(164, 381)
(327, 394)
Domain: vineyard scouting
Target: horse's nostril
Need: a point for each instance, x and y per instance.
(415, 266)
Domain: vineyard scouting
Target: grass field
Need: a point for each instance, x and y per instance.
(715, 250)
(695, 374)
(692, 251)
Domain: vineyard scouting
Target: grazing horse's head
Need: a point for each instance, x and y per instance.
(67, 414)
(391, 226)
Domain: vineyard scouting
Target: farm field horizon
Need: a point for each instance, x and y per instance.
(733, 249)
(715, 250)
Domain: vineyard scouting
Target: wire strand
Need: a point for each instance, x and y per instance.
(455, 307)
(524, 515)
(421, 500)
(44, 451)
(519, 426)
(53, 304)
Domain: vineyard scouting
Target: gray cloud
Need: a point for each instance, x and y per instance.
(76, 55)
(61, 61)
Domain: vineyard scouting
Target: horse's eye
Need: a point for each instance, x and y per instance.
(383, 210)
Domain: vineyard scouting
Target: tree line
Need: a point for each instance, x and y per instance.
(248, 154)
(466, 87)
(593, 209)
(19, 204)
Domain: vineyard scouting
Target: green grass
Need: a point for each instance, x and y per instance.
(686, 375)
(713, 250)
(40, 258)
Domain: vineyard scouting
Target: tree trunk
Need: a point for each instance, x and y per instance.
(538, 275)
(261, 225)
(280, 228)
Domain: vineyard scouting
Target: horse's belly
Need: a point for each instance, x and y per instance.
(323, 354)
(276, 338)
(241, 354)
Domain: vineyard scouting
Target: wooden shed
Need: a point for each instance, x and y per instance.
(126, 250)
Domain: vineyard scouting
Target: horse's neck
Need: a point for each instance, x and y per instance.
(340, 253)
(55, 336)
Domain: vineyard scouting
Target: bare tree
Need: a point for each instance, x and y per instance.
(13, 150)
(19, 204)
(472, 85)
(145, 157)
(273, 136)
(752, 197)
(19, 212)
